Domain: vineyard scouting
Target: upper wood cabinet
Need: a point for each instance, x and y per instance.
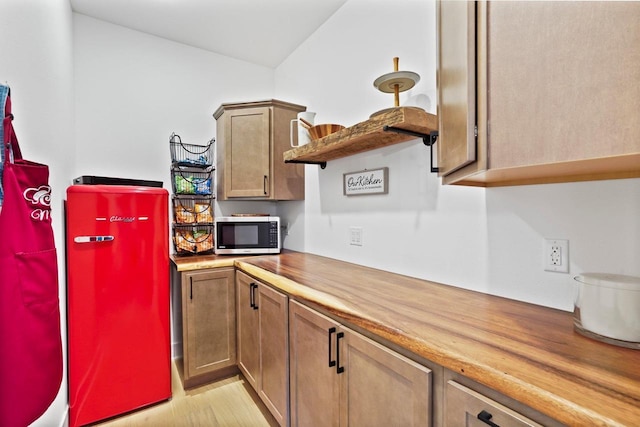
(251, 140)
(551, 89)
(456, 85)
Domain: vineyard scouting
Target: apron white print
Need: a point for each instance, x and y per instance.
(40, 196)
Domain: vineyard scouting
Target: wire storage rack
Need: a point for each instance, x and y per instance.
(192, 176)
(192, 181)
(193, 239)
(192, 210)
(183, 154)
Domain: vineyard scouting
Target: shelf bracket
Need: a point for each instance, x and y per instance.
(322, 165)
(428, 139)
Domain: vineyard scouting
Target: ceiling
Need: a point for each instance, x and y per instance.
(263, 32)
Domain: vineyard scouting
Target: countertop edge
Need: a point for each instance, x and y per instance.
(190, 263)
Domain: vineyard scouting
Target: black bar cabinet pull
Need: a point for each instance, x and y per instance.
(332, 363)
(253, 292)
(264, 184)
(251, 296)
(190, 287)
(339, 369)
(485, 417)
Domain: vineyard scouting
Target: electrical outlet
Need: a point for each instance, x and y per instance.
(556, 255)
(355, 236)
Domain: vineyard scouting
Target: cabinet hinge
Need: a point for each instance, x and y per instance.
(475, 131)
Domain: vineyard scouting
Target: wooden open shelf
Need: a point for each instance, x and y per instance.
(365, 136)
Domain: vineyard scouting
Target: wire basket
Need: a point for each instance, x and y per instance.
(193, 210)
(182, 154)
(192, 182)
(191, 240)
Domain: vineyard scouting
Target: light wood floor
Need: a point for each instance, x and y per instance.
(229, 402)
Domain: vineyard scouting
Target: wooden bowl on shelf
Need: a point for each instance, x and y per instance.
(320, 131)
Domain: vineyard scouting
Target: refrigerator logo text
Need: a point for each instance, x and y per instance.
(41, 198)
(116, 218)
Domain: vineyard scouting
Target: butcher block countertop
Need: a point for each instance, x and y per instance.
(527, 352)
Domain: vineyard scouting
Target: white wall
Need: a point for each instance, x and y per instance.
(36, 46)
(488, 240)
(133, 90)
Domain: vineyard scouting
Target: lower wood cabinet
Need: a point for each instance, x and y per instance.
(315, 387)
(465, 407)
(311, 371)
(209, 324)
(263, 354)
(469, 404)
(341, 378)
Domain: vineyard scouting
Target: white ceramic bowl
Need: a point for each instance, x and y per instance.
(607, 307)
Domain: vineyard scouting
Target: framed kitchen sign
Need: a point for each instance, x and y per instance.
(368, 181)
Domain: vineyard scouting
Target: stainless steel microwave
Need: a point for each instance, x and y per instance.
(247, 235)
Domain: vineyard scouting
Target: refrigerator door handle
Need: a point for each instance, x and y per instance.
(90, 239)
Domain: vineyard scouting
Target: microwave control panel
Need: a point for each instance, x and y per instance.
(273, 234)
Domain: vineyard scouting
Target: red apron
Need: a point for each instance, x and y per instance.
(31, 354)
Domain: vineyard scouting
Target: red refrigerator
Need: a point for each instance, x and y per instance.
(117, 299)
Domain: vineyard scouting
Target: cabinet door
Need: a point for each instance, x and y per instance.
(564, 81)
(465, 407)
(273, 385)
(380, 387)
(209, 321)
(456, 85)
(248, 332)
(555, 96)
(315, 398)
(247, 153)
